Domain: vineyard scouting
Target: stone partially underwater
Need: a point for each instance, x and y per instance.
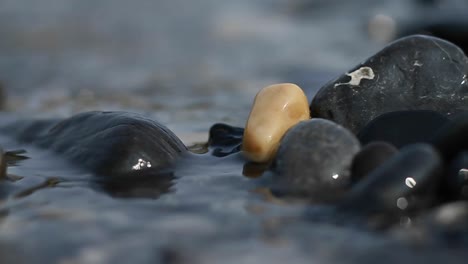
(130, 155)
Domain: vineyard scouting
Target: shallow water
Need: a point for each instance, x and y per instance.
(188, 65)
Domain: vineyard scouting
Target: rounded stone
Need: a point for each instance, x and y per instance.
(406, 182)
(371, 157)
(455, 183)
(401, 128)
(412, 73)
(314, 160)
(452, 137)
(276, 108)
(109, 144)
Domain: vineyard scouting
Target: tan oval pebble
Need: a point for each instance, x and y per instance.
(276, 108)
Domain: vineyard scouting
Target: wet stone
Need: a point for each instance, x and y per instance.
(225, 139)
(113, 144)
(451, 138)
(405, 183)
(402, 128)
(455, 184)
(314, 160)
(276, 108)
(412, 73)
(371, 157)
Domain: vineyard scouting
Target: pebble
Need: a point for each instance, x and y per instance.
(276, 108)
(413, 73)
(314, 160)
(406, 182)
(451, 138)
(371, 157)
(112, 144)
(455, 184)
(225, 139)
(401, 128)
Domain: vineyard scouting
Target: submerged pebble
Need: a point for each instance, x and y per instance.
(401, 128)
(416, 72)
(225, 139)
(276, 108)
(371, 157)
(405, 183)
(314, 160)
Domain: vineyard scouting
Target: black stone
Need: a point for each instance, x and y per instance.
(406, 183)
(401, 128)
(412, 73)
(452, 138)
(314, 160)
(455, 184)
(106, 143)
(225, 139)
(369, 158)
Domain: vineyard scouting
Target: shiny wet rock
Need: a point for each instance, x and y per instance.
(275, 109)
(413, 73)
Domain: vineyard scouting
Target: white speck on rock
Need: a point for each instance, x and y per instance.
(358, 75)
(417, 63)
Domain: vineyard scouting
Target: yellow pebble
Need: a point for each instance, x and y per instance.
(276, 108)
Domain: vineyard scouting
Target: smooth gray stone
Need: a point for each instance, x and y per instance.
(314, 159)
(413, 73)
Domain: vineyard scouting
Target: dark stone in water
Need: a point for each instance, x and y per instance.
(131, 154)
(225, 139)
(402, 128)
(114, 143)
(314, 160)
(369, 158)
(412, 73)
(405, 183)
(455, 184)
(110, 144)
